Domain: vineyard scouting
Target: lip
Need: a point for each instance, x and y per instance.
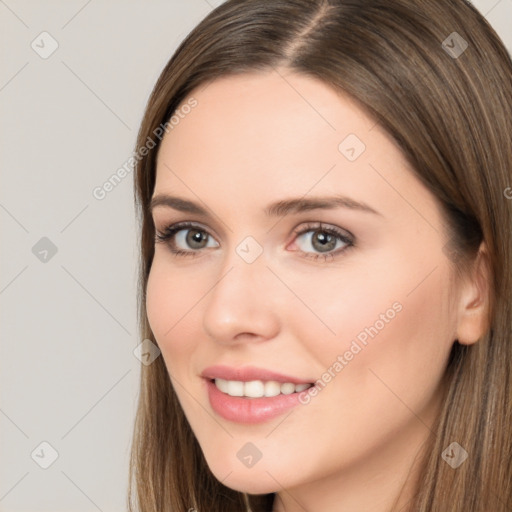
(246, 410)
(250, 410)
(248, 373)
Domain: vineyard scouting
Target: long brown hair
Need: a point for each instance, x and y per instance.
(438, 79)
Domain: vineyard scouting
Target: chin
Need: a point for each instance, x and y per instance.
(249, 480)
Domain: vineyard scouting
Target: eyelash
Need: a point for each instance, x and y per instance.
(169, 231)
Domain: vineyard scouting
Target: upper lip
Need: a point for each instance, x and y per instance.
(248, 373)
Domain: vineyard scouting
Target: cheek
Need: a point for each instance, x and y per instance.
(159, 300)
(419, 342)
(394, 333)
(394, 355)
(169, 300)
(392, 307)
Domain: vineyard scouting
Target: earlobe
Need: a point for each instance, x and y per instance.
(473, 321)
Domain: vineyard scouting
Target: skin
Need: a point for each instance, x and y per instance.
(261, 137)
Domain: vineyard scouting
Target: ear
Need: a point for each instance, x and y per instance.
(473, 321)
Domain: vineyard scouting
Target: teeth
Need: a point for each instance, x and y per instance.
(258, 388)
(253, 389)
(287, 388)
(272, 388)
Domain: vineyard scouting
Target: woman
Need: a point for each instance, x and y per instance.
(325, 262)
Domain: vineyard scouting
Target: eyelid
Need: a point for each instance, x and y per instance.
(304, 227)
(179, 225)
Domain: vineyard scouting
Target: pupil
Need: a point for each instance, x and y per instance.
(325, 239)
(195, 237)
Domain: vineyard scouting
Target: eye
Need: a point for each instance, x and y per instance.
(324, 240)
(185, 238)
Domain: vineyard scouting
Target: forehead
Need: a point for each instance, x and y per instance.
(258, 137)
(278, 112)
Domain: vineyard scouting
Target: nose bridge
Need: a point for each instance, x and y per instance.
(241, 298)
(244, 269)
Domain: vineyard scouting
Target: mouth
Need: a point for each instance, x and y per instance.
(251, 395)
(258, 388)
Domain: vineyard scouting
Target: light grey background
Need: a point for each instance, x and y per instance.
(68, 374)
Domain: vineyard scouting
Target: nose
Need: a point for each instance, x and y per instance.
(242, 305)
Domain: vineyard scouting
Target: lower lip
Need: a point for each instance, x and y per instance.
(249, 410)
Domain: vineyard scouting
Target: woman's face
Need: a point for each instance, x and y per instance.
(360, 306)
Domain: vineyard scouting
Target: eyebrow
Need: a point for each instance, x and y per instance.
(279, 208)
